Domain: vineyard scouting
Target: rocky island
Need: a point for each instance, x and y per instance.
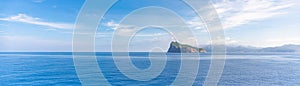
(176, 47)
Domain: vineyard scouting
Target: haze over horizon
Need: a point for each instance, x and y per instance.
(47, 25)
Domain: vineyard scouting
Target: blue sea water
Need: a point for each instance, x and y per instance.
(57, 68)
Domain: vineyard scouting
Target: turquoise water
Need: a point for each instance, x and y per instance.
(58, 69)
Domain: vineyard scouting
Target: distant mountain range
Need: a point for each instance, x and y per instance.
(285, 49)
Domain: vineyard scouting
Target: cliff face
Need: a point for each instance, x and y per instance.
(176, 47)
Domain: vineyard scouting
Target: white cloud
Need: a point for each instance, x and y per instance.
(127, 30)
(112, 24)
(152, 35)
(195, 24)
(234, 13)
(226, 40)
(249, 11)
(230, 41)
(123, 30)
(36, 21)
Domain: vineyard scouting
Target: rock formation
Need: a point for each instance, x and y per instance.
(176, 47)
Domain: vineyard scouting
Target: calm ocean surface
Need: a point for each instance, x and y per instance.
(58, 69)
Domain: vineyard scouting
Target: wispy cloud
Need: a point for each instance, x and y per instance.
(234, 13)
(36, 21)
(112, 24)
(123, 30)
(152, 36)
(126, 30)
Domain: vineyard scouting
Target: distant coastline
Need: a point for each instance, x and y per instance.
(230, 50)
(147, 53)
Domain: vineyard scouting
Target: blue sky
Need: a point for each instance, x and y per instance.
(47, 25)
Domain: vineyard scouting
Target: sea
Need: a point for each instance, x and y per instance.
(57, 68)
